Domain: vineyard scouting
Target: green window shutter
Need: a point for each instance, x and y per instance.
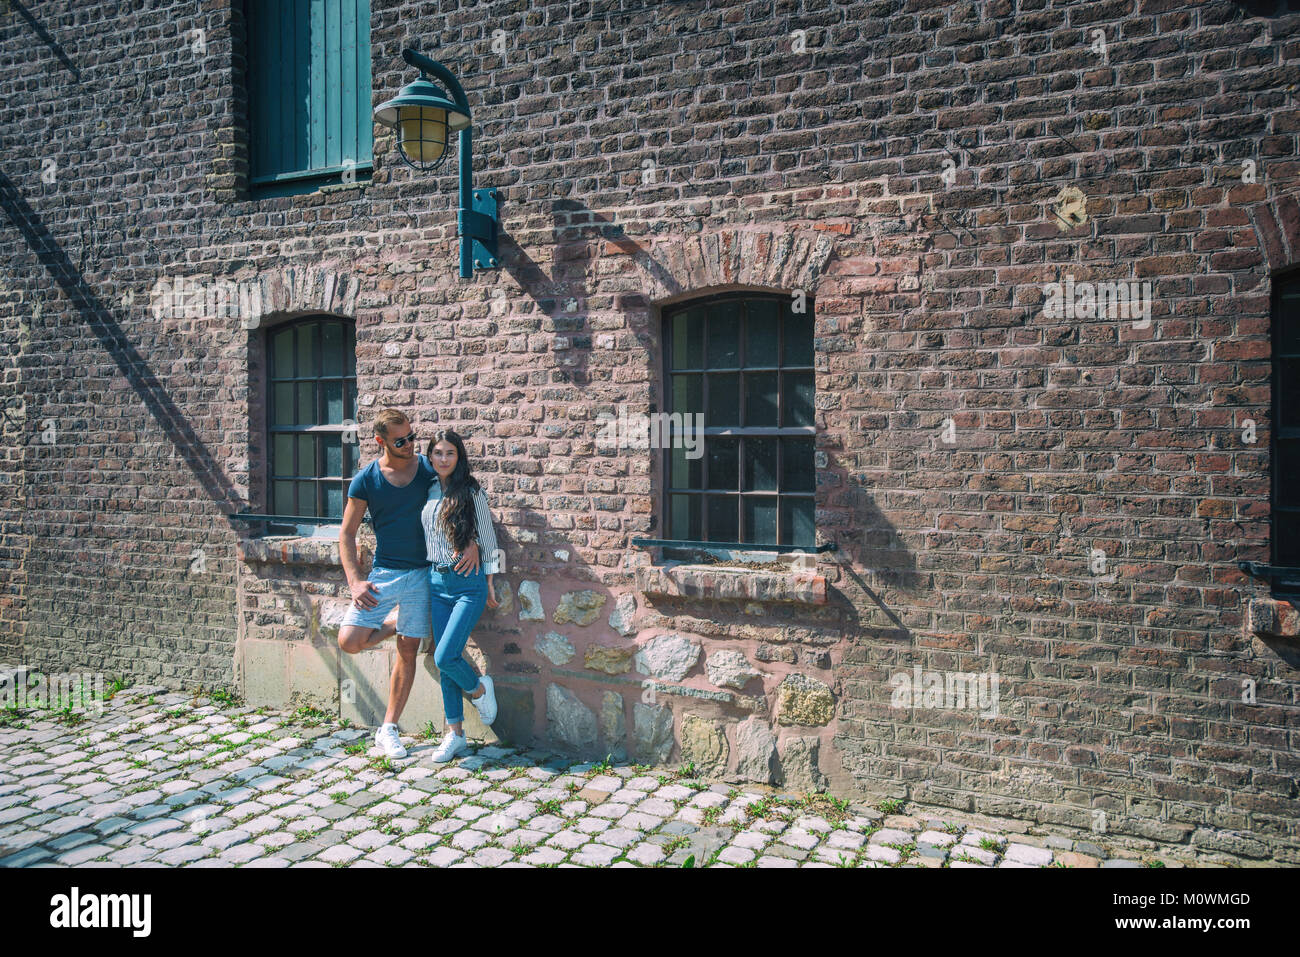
(308, 88)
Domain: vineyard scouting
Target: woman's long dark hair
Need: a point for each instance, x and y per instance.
(457, 514)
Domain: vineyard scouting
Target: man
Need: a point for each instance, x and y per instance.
(394, 487)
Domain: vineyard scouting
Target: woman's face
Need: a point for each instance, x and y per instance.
(444, 458)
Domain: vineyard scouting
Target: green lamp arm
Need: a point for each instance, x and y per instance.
(426, 65)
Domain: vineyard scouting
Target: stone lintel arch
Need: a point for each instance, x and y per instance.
(1277, 224)
(276, 295)
(755, 258)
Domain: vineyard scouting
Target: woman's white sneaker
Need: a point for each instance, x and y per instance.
(386, 740)
(452, 745)
(486, 703)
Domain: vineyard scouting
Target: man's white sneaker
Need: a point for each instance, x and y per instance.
(486, 703)
(452, 745)
(386, 741)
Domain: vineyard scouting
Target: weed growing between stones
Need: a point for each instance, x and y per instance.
(310, 717)
(834, 810)
(604, 767)
(69, 717)
(221, 697)
(905, 851)
(671, 846)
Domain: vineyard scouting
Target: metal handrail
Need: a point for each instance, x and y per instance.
(292, 519)
(1262, 570)
(734, 546)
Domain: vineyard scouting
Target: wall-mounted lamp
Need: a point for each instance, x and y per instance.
(423, 116)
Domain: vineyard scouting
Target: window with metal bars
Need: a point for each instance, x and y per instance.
(1286, 438)
(312, 390)
(745, 361)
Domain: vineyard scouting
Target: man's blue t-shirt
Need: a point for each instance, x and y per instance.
(395, 514)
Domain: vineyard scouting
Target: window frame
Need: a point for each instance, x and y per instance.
(359, 169)
(667, 489)
(1282, 585)
(270, 429)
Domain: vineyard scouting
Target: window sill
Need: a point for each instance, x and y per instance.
(293, 550)
(744, 584)
(1272, 618)
(303, 187)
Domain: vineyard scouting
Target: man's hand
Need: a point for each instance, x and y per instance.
(361, 596)
(468, 563)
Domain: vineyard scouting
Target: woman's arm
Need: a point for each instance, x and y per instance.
(488, 551)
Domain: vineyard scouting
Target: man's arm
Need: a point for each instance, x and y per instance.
(357, 584)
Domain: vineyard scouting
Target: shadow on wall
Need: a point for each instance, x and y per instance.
(526, 717)
(577, 237)
(45, 37)
(1284, 648)
(530, 724)
(868, 540)
(172, 425)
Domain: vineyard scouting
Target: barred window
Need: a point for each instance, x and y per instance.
(744, 361)
(312, 390)
(1286, 436)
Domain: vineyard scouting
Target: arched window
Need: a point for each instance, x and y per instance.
(744, 362)
(312, 390)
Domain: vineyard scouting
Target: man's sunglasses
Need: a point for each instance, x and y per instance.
(401, 443)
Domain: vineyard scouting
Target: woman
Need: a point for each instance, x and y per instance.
(455, 516)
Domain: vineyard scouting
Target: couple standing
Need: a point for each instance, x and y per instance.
(429, 516)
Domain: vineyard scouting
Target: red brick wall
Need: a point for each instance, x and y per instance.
(1121, 691)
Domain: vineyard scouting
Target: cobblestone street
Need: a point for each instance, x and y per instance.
(164, 779)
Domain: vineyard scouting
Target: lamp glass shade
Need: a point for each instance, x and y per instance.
(422, 133)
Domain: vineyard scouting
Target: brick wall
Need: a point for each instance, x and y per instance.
(1061, 502)
(13, 480)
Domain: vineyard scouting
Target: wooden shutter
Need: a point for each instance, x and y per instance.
(308, 88)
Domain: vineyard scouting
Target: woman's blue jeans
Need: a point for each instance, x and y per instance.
(458, 602)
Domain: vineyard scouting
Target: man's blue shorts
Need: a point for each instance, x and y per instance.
(408, 589)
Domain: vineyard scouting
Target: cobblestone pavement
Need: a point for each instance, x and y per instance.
(164, 779)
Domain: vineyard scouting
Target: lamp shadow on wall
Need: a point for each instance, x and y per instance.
(868, 540)
(172, 424)
(577, 236)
